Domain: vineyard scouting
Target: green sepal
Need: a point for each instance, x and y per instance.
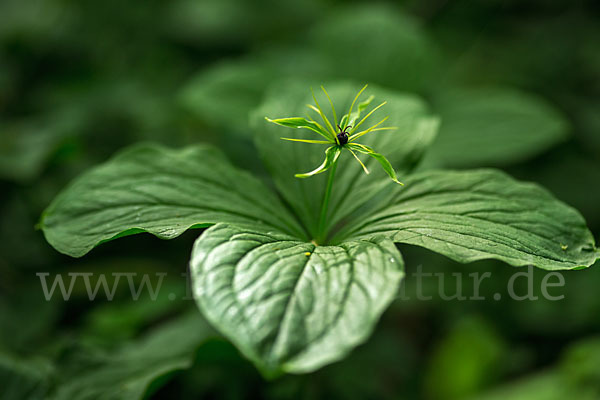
(387, 167)
(331, 155)
(300, 122)
(349, 121)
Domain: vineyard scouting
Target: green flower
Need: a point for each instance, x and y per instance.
(344, 138)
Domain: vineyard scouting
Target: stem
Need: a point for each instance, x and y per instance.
(323, 218)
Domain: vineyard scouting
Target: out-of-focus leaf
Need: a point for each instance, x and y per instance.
(234, 23)
(581, 364)
(21, 247)
(37, 19)
(575, 377)
(149, 188)
(398, 55)
(589, 118)
(385, 378)
(24, 379)
(224, 94)
(524, 52)
(118, 109)
(467, 360)
(493, 126)
(116, 320)
(27, 145)
(545, 386)
(25, 311)
(128, 372)
(291, 306)
(376, 44)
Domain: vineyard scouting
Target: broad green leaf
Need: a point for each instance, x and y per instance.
(291, 306)
(128, 372)
(493, 126)
(403, 147)
(482, 214)
(148, 188)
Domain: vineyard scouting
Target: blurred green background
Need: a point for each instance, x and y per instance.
(517, 84)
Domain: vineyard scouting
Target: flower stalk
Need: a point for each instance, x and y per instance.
(321, 232)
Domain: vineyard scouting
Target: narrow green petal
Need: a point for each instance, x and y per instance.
(354, 101)
(299, 122)
(330, 133)
(331, 155)
(335, 120)
(371, 129)
(367, 116)
(307, 141)
(349, 120)
(360, 162)
(318, 125)
(323, 116)
(313, 108)
(384, 128)
(387, 167)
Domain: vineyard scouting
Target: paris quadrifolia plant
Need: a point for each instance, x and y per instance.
(293, 282)
(345, 138)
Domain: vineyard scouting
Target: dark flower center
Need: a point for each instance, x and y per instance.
(342, 138)
(342, 135)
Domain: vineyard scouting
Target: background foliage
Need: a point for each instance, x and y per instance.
(517, 86)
